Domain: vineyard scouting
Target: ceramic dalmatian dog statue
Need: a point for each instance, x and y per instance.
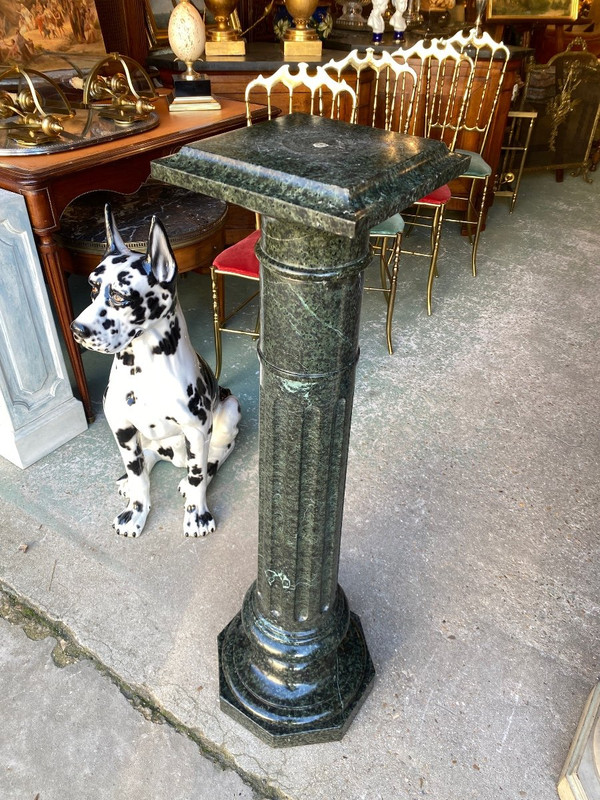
(162, 400)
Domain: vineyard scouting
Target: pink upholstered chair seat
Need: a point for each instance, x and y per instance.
(240, 258)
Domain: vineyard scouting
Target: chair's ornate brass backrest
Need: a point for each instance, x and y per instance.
(445, 78)
(490, 59)
(316, 93)
(392, 93)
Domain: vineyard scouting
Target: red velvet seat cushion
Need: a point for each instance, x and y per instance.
(240, 258)
(439, 197)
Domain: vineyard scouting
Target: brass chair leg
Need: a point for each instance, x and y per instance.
(470, 221)
(384, 261)
(479, 226)
(438, 219)
(391, 300)
(216, 322)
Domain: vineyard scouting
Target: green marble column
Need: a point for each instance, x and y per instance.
(294, 664)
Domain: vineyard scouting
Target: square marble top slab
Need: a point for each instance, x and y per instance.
(325, 173)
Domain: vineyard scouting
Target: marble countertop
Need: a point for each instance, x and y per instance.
(268, 56)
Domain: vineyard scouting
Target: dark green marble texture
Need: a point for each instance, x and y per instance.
(327, 174)
(294, 664)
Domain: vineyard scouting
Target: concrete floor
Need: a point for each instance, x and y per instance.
(470, 547)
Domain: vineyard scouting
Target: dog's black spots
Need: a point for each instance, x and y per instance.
(139, 264)
(223, 393)
(124, 277)
(138, 507)
(212, 468)
(188, 450)
(196, 481)
(130, 398)
(196, 400)
(167, 452)
(155, 307)
(127, 358)
(119, 259)
(137, 465)
(206, 518)
(190, 389)
(210, 430)
(125, 434)
(135, 370)
(207, 402)
(108, 323)
(171, 419)
(137, 304)
(102, 312)
(125, 517)
(168, 344)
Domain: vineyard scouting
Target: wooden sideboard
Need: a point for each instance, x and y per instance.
(50, 182)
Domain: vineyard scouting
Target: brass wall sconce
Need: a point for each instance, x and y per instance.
(35, 112)
(114, 79)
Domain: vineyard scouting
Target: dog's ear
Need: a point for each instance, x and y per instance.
(114, 243)
(159, 256)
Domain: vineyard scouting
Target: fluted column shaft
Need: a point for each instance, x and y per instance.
(295, 656)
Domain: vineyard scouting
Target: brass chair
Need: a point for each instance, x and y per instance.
(294, 88)
(445, 79)
(392, 96)
(490, 59)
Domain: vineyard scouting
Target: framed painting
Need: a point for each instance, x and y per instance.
(157, 15)
(548, 10)
(30, 27)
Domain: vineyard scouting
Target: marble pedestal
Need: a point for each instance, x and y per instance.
(294, 664)
(38, 412)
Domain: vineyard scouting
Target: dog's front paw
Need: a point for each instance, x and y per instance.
(131, 521)
(197, 523)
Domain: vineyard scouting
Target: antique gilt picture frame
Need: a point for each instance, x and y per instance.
(157, 15)
(548, 10)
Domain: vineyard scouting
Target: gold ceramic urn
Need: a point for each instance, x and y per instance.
(222, 39)
(301, 40)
